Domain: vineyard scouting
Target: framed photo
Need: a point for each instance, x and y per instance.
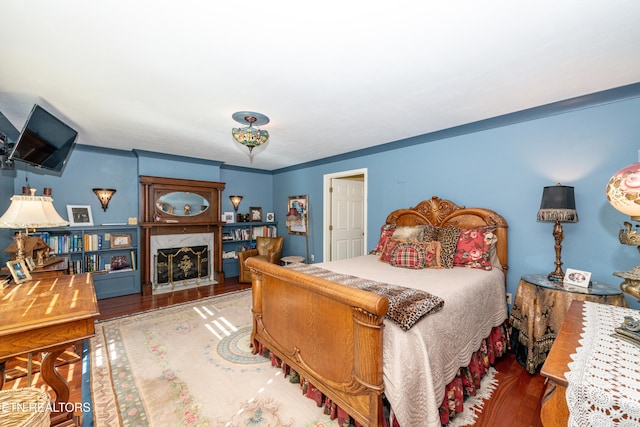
(228, 217)
(79, 215)
(30, 263)
(271, 217)
(120, 240)
(577, 277)
(19, 271)
(256, 214)
(298, 215)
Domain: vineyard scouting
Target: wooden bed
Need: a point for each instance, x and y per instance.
(333, 334)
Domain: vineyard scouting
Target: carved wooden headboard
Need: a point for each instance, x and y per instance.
(445, 213)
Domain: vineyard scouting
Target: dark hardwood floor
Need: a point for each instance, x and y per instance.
(516, 401)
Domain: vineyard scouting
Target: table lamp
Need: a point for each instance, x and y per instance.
(558, 205)
(30, 212)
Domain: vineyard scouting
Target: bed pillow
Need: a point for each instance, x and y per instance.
(386, 231)
(432, 254)
(448, 238)
(473, 248)
(409, 255)
(389, 246)
(409, 233)
(493, 253)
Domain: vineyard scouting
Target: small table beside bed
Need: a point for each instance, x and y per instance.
(343, 340)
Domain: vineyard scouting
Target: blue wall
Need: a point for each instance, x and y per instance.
(503, 168)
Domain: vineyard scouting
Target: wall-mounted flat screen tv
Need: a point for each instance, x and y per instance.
(45, 141)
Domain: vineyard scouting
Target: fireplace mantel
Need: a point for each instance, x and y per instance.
(159, 215)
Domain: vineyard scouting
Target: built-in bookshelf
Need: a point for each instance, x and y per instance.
(110, 253)
(241, 236)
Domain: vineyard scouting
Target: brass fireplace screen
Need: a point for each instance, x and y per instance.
(181, 264)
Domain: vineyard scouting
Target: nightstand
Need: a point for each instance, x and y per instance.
(539, 309)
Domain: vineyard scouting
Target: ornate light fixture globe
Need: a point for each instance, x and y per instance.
(250, 136)
(623, 191)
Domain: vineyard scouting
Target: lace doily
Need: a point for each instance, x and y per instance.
(604, 377)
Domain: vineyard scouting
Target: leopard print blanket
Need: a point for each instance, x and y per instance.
(406, 305)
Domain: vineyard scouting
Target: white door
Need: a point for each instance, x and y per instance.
(347, 217)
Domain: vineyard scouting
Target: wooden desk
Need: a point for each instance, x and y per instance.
(48, 315)
(554, 410)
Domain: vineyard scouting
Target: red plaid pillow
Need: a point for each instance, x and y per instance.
(473, 248)
(409, 255)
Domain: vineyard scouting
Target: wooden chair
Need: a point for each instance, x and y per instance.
(267, 248)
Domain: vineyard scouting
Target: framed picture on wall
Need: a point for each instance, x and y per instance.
(271, 217)
(256, 214)
(298, 215)
(79, 215)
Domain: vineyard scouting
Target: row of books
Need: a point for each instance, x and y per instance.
(247, 233)
(98, 263)
(65, 243)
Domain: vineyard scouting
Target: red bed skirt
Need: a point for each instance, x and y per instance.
(465, 383)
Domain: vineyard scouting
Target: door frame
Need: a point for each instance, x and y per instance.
(327, 208)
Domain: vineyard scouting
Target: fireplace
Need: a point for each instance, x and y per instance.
(181, 261)
(182, 219)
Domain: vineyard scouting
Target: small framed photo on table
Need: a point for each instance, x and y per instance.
(577, 277)
(31, 264)
(80, 215)
(19, 271)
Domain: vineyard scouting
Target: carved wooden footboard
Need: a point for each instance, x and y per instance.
(339, 349)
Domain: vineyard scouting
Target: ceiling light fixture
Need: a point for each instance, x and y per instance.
(250, 136)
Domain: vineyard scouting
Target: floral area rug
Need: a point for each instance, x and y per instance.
(191, 365)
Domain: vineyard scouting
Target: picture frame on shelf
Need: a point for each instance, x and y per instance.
(577, 277)
(80, 215)
(31, 264)
(271, 217)
(120, 241)
(19, 271)
(255, 214)
(228, 217)
(298, 215)
(242, 217)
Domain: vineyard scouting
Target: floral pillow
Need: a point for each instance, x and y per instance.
(432, 254)
(473, 248)
(385, 255)
(386, 231)
(408, 255)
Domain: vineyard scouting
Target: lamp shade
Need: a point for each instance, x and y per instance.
(623, 191)
(31, 212)
(558, 204)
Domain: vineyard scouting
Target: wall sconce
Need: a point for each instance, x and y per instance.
(235, 201)
(104, 195)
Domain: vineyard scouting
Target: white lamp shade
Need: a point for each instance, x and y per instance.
(623, 191)
(31, 212)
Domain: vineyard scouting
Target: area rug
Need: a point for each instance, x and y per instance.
(191, 365)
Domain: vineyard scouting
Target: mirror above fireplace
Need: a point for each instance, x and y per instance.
(182, 203)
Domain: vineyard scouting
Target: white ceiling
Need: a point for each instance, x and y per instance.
(333, 76)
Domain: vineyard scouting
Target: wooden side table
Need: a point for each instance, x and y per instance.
(539, 308)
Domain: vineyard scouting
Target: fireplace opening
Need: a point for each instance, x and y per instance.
(182, 264)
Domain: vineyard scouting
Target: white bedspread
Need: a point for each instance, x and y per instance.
(419, 363)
